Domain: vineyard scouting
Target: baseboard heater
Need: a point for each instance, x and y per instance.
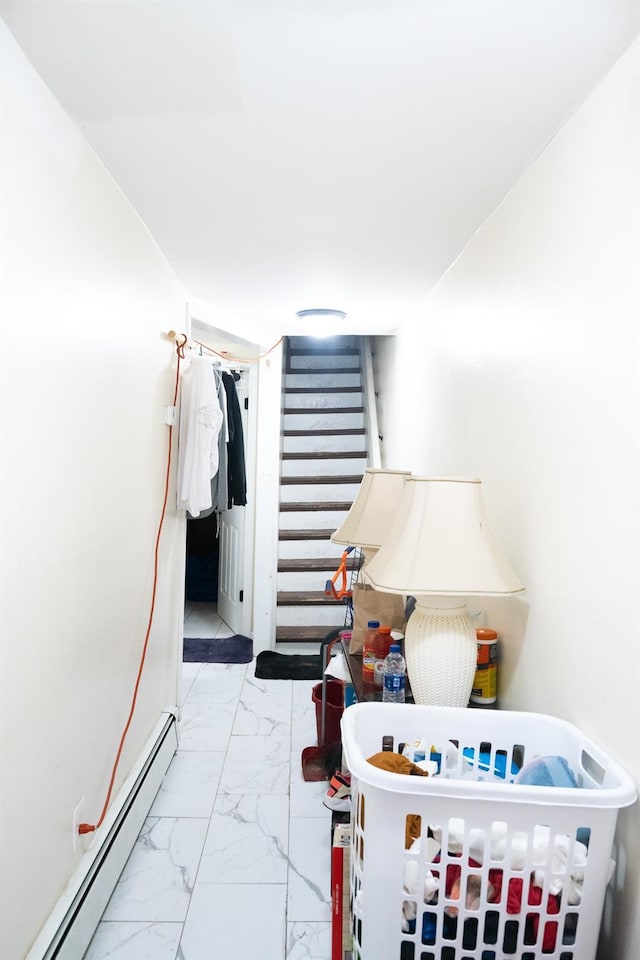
(68, 931)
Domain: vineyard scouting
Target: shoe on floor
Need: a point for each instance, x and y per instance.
(338, 796)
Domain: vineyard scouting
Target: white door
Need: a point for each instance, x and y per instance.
(231, 565)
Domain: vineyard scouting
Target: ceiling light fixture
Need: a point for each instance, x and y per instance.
(327, 322)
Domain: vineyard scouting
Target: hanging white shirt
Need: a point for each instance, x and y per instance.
(200, 423)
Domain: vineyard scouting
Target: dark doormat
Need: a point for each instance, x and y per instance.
(236, 649)
(288, 666)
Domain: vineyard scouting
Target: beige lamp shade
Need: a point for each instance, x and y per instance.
(374, 510)
(440, 543)
(440, 549)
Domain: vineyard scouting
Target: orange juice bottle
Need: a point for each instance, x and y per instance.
(383, 644)
(369, 651)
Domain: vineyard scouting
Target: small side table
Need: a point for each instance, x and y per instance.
(365, 691)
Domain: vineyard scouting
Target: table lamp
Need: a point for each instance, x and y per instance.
(372, 512)
(440, 550)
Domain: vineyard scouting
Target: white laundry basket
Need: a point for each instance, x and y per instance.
(467, 865)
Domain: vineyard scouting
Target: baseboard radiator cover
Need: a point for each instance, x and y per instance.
(70, 927)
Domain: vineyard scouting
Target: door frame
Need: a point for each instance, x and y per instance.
(262, 457)
(266, 499)
(250, 508)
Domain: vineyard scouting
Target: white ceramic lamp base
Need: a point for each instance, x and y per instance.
(441, 652)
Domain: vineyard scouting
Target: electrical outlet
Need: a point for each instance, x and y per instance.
(76, 821)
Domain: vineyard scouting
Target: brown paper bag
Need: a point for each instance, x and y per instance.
(370, 604)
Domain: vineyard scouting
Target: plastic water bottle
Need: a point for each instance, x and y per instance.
(394, 672)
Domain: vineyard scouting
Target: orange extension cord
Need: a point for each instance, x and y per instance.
(89, 827)
(180, 347)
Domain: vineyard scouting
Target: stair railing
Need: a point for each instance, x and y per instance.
(369, 401)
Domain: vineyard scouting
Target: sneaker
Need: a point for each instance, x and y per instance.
(338, 796)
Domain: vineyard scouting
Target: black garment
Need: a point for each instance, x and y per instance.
(201, 577)
(236, 470)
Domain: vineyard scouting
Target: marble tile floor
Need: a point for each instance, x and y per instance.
(233, 860)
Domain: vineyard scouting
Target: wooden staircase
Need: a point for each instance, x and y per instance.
(324, 454)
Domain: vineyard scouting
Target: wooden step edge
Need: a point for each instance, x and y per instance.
(316, 506)
(304, 633)
(322, 410)
(320, 480)
(324, 534)
(314, 565)
(324, 455)
(322, 390)
(305, 598)
(324, 351)
(312, 371)
(337, 432)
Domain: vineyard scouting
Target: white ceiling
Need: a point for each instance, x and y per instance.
(288, 154)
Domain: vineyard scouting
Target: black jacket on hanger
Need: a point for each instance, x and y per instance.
(236, 469)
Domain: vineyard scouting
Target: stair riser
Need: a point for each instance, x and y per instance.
(349, 466)
(305, 549)
(319, 401)
(332, 442)
(322, 421)
(329, 616)
(307, 580)
(310, 635)
(322, 380)
(321, 519)
(319, 493)
(319, 344)
(324, 362)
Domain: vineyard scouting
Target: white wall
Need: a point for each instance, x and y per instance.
(524, 371)
(85, 377)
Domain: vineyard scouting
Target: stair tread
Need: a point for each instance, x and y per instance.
(323, 534)
(315, 506)
(326, 350)
(336, 432)
(310, 632)
(313, 564)
(318, 410)
(324, 455)
(303, 371)
(322, 390)
(316, 480)
(298, 598)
